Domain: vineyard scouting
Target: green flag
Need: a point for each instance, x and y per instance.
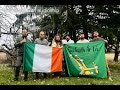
(86, 59)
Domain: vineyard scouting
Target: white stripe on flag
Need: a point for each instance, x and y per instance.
(42, 54)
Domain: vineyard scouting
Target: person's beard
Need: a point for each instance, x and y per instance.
(67, 39)
(95, 36)
(41, 38)
(57, 40)
(82, 38)
(24, 36)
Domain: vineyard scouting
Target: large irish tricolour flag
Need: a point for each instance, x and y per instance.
(41, 58)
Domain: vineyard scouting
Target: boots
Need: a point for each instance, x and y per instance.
(37, 75)
(44, 75)
(25, 75)
(17, 70)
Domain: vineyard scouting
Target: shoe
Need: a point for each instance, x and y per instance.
(25, 79)
(36, 77)
(45, 77)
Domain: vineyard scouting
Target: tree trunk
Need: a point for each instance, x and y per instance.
(73, 28)
(70, 33)
(74, 36)
(84, 21)
(116, 56)
(116, 53)
(33, 36)
(55, 32)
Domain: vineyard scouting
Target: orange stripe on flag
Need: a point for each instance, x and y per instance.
(56, 59)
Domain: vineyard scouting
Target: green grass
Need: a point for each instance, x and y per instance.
(7, 74)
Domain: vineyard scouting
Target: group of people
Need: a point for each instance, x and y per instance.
(57, 42)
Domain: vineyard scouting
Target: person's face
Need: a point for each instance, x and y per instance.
(82, 36)
(42, 35)
(95, 34)
(57, 38)
(24, 32)
(67, 38)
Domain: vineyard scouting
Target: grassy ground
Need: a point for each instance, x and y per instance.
(6, 75)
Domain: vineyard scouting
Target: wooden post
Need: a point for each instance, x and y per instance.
(108, 72)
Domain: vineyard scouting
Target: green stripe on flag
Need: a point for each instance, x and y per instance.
(28, 56)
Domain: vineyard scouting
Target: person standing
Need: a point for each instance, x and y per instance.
(57, 42)
(19, 45)
(82, 38)
(67, 40)
(97, 38)
(42, 41)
